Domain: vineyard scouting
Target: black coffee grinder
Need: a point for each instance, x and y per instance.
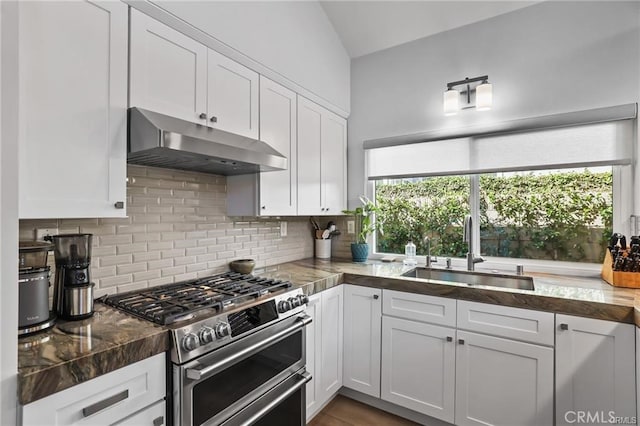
(73, 290)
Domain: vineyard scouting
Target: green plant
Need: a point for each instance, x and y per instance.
(556, 216)
(365, 225)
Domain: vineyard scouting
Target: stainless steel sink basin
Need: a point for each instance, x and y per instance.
(472, 278)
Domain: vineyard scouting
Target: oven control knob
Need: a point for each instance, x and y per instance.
(206, 335)
(294, 302)
(304, 299)
(222, 330)
(190, 341)
(284, 306)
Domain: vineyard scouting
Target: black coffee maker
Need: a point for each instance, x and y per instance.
(73, 289)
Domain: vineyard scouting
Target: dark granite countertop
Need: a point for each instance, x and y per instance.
(584, 296)
(75, 351)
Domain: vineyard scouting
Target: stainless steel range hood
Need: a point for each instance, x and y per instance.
(162, 141)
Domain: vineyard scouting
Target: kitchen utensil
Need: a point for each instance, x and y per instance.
(73, 287)
(314, 223)
(319, 234)
(325, 234)
(242, 266)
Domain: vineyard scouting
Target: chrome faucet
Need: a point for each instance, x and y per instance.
(467, 237)
(429, 260)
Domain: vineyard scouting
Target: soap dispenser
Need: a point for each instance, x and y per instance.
(410, 254)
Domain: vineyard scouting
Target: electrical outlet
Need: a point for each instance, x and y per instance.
(43, 232)
(283, 229)
(351, 227)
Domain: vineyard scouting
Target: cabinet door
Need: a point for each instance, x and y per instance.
(595, 368)
(309, 161)
(502, 382)
(168, 70)
(362, 334)
(331, 343)
(72, 112)
(333, 163)
(418, 367)
(313, 354)
(278, 190)
(232, 100)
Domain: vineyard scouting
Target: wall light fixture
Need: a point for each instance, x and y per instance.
(479, 87)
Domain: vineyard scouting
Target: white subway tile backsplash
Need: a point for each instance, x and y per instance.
(177, 229)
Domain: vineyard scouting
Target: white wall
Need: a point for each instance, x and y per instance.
(8, 212)
(293, 38)
(547, 58)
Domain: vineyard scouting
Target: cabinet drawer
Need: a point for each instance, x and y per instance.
(104, 400)
(513, 323)
(156, 415)
(418, 307)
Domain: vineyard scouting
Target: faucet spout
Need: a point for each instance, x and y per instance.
(429, 259)
(467, 237)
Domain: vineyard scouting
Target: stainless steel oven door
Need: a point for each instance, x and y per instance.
(214, 387)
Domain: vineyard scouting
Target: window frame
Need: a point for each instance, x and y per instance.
(623, 199)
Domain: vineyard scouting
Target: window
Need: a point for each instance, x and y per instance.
(561, 214)
(548, 193)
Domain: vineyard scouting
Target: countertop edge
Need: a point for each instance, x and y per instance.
(40, 384)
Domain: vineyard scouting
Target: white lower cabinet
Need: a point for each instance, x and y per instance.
(418, 367)
(502, 382)
(464, 376)
(595, 370)
(130, 395)
(324, 347)
(362, 334)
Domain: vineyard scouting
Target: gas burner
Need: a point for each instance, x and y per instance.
(172, 303)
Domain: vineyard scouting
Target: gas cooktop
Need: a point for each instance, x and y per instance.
(172, 303)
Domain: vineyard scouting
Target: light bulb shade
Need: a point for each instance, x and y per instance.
(451, 102)
(484, 97)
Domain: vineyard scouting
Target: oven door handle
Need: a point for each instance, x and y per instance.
(198, 373)
(270, 400)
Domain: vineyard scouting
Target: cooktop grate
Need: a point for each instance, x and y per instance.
(175, 302)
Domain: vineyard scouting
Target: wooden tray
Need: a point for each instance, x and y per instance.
(617, 278)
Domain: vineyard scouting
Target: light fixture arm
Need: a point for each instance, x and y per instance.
(466, 81)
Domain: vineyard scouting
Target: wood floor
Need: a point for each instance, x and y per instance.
(343, 411)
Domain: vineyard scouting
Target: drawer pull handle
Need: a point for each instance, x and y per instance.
(105, 403)
(449, 339)
(461, 341)
(158, 421)
(564, 326)
(119, 205)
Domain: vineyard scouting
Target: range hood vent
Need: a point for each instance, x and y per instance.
(159, 140)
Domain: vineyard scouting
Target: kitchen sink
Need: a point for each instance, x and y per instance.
(472, 278)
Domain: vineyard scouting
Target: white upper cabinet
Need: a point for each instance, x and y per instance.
(178, 76)
(72, 109)
(278, 190)
(232, 100)
(595, 368)
(168, 70)
(322, 155)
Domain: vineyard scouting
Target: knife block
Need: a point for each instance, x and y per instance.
(618, 278)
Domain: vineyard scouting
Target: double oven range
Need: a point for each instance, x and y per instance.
(238, 348)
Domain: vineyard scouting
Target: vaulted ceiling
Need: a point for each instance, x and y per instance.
(368, 26)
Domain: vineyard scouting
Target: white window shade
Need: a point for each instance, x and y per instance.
(578, 146)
